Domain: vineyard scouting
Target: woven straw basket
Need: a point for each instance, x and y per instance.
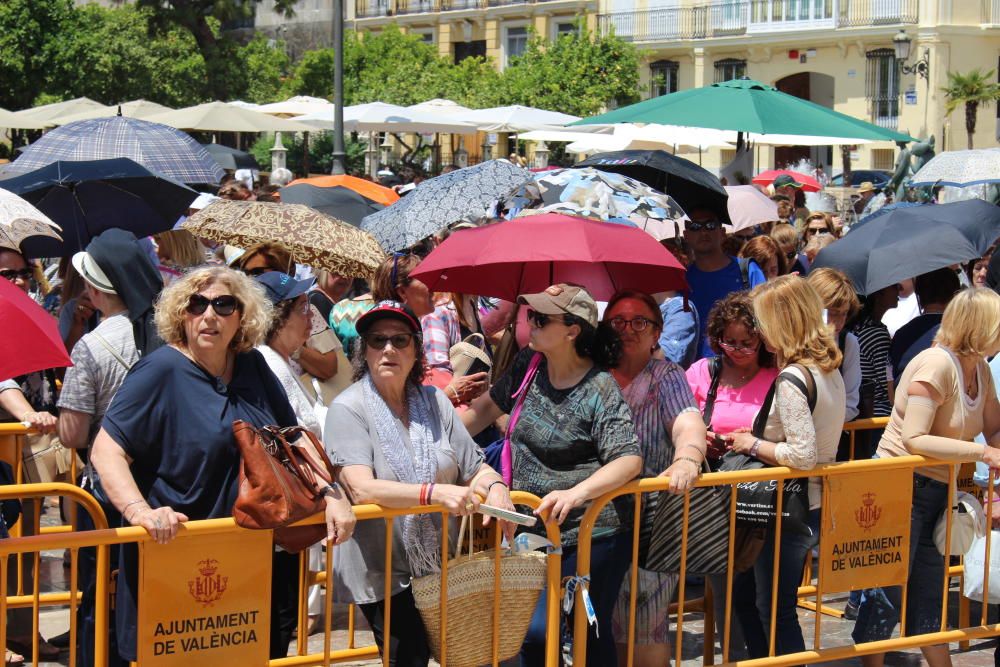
(470, 605)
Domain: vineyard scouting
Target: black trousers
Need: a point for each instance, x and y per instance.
(284, 601)
(407, 637)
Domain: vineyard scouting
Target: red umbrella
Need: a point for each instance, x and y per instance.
(809, 184)
(29, 337)
(527, 255)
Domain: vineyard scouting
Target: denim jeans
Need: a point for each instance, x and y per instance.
(879, 613)
(610, 558)
(752, 593)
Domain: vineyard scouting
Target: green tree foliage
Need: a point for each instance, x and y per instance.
(970, 89)
(29, 31)
(579, 73)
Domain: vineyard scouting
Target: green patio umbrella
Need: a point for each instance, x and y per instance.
(745, 105)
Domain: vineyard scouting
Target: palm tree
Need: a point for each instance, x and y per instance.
(971, 89)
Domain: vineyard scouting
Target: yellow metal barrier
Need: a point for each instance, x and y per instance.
(103, 538)
(817, 654)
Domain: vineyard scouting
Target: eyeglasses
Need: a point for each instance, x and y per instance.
(224, 305)
(638, 324)
(739, 349)
(304, 306)
(540, 320)
(707, 226)
(817, 230)
(14, 274)
(378, 341)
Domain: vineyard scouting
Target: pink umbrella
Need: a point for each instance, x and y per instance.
(527, 255)
(809, 184)
(748, 206)
(29, 337)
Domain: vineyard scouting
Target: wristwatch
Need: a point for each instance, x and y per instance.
(330, 490)
(755, 447)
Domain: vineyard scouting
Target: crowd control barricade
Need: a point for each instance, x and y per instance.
(862, 510)
(204, 597)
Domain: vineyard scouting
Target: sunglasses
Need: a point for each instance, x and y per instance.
(378, 341)
(224, 305)
(708, 226)
(14, 274)
(638, 324)
(540, 320)
(818, 230)
(739, 349)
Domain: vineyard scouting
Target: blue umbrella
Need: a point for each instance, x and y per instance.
(157, 147)
(908, 242)
(888, 208)
(86, 198)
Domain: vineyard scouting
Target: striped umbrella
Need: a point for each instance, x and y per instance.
(159, 148)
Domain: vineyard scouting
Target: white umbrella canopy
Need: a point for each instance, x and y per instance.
(648, 137)
(960, 168)
(516, 119)
(223, 117)
(47, 112)
(133, 109)
(243, 105)
(19, 220)
(379, 116)
(748, 206)
(11, 120)
(299, 105)
(441, 106)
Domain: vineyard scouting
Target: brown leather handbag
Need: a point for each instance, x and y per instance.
(278, 482)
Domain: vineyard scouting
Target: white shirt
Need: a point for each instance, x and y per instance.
(906, 310)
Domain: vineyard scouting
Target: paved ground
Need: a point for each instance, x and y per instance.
(835, 631)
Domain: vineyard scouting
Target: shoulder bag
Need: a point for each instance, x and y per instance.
(277, 483)
(499, 454)
(471, 356)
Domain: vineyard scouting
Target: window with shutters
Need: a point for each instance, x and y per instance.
(882, 87)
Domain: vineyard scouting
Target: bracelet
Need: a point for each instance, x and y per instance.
(25, 417)
(423, 494)
(499, 481)
(430, 494)
(139, 512)
(697, 464)
(127, 505)
(755, 447)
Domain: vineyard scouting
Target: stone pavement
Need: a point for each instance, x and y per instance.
(835, 631)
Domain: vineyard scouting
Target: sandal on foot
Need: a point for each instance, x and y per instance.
(10, 658)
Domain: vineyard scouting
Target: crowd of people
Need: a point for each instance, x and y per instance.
(173, 339)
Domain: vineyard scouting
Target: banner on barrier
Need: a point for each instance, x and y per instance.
(205, 601)
(866, 530)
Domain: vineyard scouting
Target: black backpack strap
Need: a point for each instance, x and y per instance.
(715, 373)
(744, 263)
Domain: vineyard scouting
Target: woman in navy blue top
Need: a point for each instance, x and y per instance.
(166, 453)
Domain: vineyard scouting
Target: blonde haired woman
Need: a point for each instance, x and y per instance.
(841, 304)
(944, 398)
(177, 250)
(802, 428)
(165, 453)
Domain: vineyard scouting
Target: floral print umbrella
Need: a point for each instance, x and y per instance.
(19, 220)
(313, 238)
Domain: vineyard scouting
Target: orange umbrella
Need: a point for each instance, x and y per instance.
(369, 189)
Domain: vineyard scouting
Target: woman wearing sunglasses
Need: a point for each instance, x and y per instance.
(672, 438)
(165, 453)
(401, 444)
(573, 441)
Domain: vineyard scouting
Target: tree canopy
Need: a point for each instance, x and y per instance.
(970, 89)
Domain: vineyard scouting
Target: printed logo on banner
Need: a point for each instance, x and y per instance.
(868, 514)
(209, 587)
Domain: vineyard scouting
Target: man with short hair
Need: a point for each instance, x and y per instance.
(865, 193)
(713, 274)
(934, 291)
(787, 186)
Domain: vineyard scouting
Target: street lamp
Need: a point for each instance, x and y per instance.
(901, 42)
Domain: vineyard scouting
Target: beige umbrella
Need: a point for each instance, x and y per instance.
(46, 113)
(222, 117)
(19, 220)
(133, 109)
(296, 106)
(11, 120)
(313, 238)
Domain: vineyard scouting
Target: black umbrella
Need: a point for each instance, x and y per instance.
(231, 158)
(340, 202)
(691, 186)
(908, 242)
(86, 198)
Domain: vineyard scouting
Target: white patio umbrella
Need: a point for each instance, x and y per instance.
(516, 119)
(960, 168)
(133, 109)
(222, 117)
(243, 105)
(382, 117)
(11, 120)
(440, 106)
(47, 112)
(299, 105)
(748, 206)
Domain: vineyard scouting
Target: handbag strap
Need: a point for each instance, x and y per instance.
(715, 373)
(808, 389)
(114, 353)
(506, 451)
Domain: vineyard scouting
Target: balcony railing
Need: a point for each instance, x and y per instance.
(738, 17)
(365, 9)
